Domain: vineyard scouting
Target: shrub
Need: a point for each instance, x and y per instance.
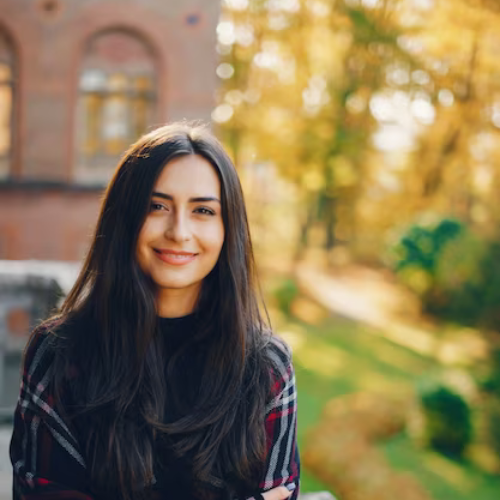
(421, 245)
(491, 386)
(422, 257)
(490, 297)
(446, 423)
(340, 450)
(455, 272)
(493, 427)
(491, 383)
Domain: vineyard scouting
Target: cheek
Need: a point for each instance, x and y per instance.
(140, 254)
(217, 238)
(151, 228)
(212, 239)
(143, 239)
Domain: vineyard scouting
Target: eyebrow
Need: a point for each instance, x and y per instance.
(197, 199)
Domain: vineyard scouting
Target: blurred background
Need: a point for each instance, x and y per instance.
(366, 135)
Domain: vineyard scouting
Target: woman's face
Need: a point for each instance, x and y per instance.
(182, 236)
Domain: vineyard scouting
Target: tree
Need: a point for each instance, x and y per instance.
(373, 110)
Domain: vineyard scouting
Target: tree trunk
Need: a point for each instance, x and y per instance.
(304, 230)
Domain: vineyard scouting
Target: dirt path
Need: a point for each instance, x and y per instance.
(371, 298)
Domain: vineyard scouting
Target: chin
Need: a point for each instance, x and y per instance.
(176, 284)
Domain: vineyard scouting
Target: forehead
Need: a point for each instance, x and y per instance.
(190, 175)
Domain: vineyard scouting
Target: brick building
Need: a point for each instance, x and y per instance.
(79, 81)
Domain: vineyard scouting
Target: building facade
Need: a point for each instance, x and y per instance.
(79, 81)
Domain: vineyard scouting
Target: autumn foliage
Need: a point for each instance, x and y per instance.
(375, 111)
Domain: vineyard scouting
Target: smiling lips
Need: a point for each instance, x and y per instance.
(174, 257)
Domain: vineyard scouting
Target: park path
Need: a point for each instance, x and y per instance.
(373, 298)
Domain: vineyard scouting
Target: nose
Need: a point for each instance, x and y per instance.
(178, 229)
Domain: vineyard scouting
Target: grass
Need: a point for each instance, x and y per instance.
(340, 357)
(444, 479)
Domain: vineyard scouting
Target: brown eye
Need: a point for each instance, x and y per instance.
(157, 206)
(205, 211)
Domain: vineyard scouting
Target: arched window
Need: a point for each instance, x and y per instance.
(7, 69)
(116, 104)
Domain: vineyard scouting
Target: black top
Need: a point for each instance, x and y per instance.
(173, 475)
(48, 440)
(176, 331)
(183, 369)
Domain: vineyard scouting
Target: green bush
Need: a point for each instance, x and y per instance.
(493, 420)
(455, 272)
(419, 262)
(490, 289)
(285, 294)
(446, 418)
(459, 283)
(421, 245)
(491, 383)
(491, 386)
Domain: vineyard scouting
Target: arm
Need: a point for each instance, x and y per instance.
(44, 453)
(283, 464)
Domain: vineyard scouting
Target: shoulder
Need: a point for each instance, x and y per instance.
(279, 355)
(40, 350)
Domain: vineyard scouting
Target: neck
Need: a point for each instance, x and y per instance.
(177, 302)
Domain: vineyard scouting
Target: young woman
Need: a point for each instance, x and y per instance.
(159, 378)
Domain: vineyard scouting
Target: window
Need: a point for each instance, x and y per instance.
(7, 68)
(116, 104)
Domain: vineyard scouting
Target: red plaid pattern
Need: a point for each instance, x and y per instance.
(46, 455)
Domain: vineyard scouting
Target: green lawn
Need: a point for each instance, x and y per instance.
(340, 357)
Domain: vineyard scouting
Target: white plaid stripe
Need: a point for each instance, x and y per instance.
(47, 409)
(68, 447)
(284, 402)
(38, 355)
(291, 434)
(35, 422)
(31, 399)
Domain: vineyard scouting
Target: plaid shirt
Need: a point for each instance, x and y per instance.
(47, 457)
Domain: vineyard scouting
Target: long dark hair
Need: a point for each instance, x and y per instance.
(121, 378)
